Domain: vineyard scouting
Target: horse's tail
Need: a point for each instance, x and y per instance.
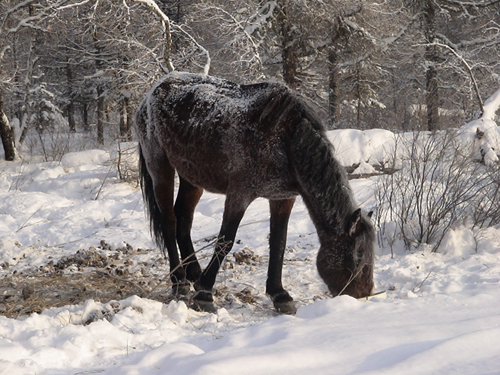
(156, 221)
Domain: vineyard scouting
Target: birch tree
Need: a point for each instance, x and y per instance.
(16, 17)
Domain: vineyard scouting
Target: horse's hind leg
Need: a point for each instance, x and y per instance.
(158, 187)
(185, 204)
(280, 213)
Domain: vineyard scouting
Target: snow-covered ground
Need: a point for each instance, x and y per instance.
(441, 315)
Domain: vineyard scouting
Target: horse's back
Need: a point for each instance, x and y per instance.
(217, 134)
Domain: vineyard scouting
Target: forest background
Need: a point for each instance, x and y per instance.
(81, 66)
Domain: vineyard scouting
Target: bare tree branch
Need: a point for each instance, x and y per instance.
(206, 68)
(151, 4)
(474, 3)
(467, 66)
(255, 47)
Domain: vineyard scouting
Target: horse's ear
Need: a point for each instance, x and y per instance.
(355, 222)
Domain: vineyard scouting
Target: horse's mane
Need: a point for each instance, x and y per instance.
(291, 108)
(322, 177)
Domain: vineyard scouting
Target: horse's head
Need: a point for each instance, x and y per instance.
(346, 263)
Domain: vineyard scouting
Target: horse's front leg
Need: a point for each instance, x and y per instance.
(234, 209)
(280, 213)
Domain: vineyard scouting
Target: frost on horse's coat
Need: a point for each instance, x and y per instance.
(208, 130)
(246, 141)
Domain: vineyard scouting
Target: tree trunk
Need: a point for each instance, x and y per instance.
(29, 84)
(24, 130)
(99, 87)
(100, 116)
(359, 97)
(432, 98)
(125, 129)
(288, 46)
(130, 119)
(125, 120)
(432, 57)
(6, 132)
(85, 117)
(122, 120)
(333, 86)
(70, 109)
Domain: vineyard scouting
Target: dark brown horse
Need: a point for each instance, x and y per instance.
(246, 141)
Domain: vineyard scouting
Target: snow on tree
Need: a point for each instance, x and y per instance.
(484, 132)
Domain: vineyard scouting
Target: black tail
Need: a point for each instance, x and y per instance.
(156, 221)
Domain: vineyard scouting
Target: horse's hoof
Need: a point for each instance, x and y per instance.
(283, 303)
(204, 306)
(287, 307)
(181, 289)
(203, 301)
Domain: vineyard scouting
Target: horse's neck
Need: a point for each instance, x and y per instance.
(324, 184)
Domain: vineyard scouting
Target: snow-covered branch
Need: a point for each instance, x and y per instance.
(73, 5)
(167, 24)
(206, 68)
(16, 8)
(2, 53)
(261, 18)
(27, 23)
(31, 21)
(467, 66)
(151, 5)
(404, 29)
(245, 30)
(474, 3)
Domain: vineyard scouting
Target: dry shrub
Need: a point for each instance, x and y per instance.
(126, 158)
(439, 187)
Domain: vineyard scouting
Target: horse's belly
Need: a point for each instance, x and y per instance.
(202, 175)
(272, 186)
(232, 170)
(221, 179)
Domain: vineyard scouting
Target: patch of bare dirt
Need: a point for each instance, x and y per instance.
(105, 274)
(102, 274)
